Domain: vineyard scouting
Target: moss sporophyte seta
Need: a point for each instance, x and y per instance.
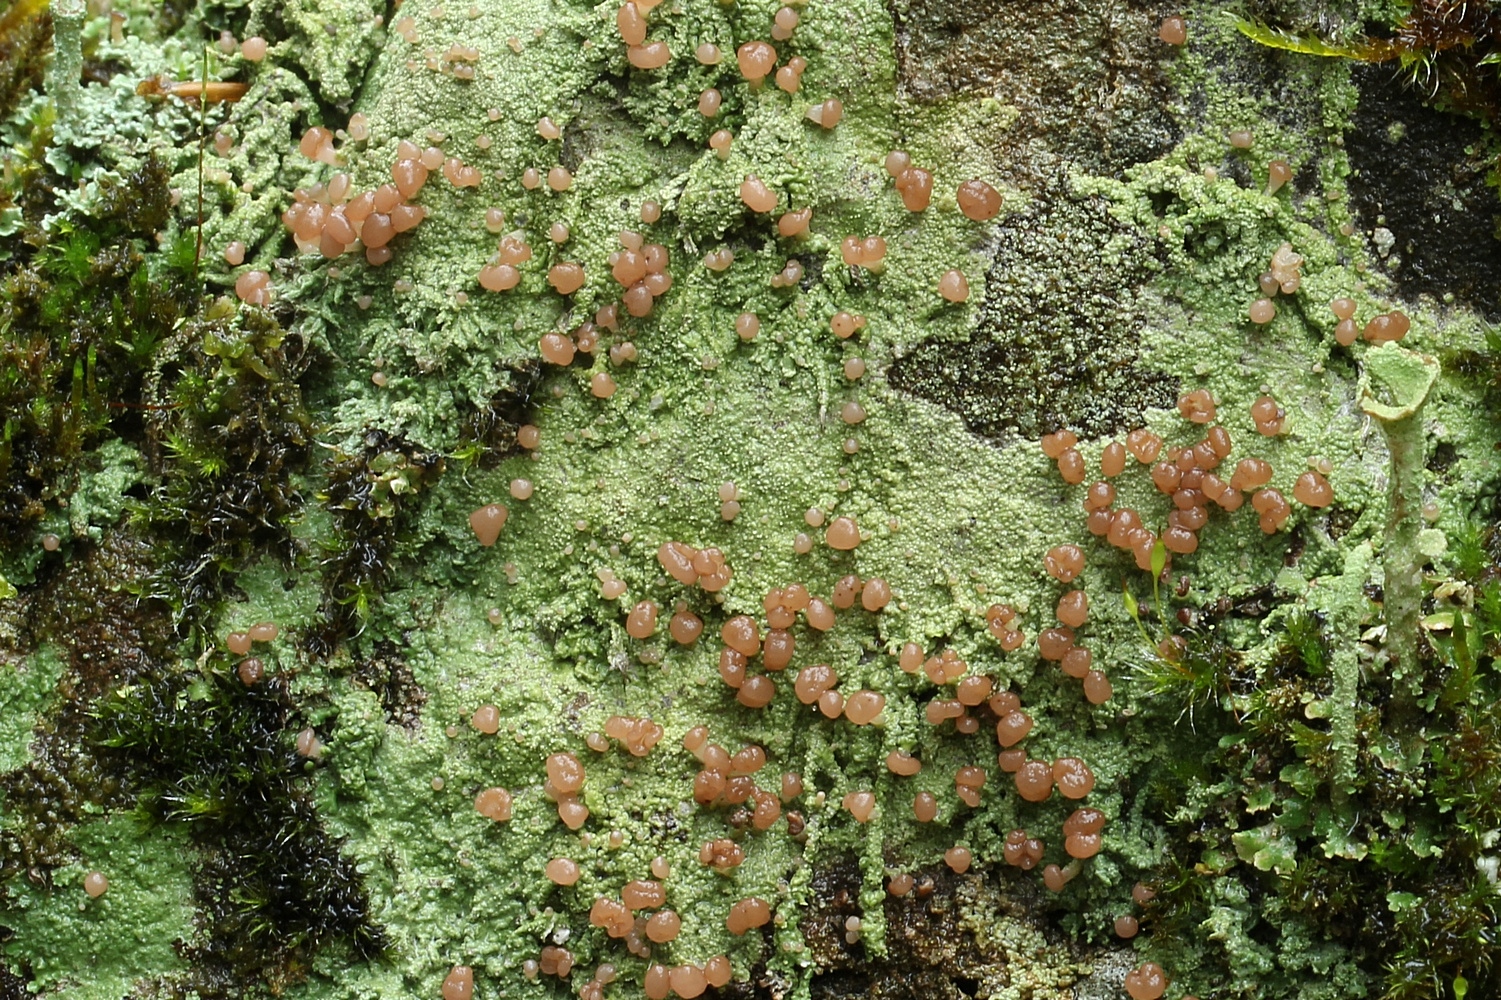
(517, 499)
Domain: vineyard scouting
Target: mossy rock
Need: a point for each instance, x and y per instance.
(1298, 759)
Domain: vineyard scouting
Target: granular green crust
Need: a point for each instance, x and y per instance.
(1307, 802)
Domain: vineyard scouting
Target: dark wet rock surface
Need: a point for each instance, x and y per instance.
(1421, 175)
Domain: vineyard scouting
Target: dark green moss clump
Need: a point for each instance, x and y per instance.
(206, 751)
(370, 496)
(228, 435)
(488, 432)
(13, 986)
(932, 950)
(1057, 341)
(81, 315)
(86, 612)
(386, 673)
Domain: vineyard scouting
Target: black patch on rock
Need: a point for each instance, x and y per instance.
(1422, 173)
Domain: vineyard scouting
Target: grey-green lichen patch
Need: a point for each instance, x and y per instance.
(109, 129)
(426, 329)
(1041, 966)
(952, 936)
(332, 44)
(1344, 602)
(101, 497)
(1088, 80)
(463, 661)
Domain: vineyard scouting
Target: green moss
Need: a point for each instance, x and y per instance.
(24, 36)
(1284, 791)
(229, 435)
(1444, 49)
(80, 317)
(78, 627)
(368, 496)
